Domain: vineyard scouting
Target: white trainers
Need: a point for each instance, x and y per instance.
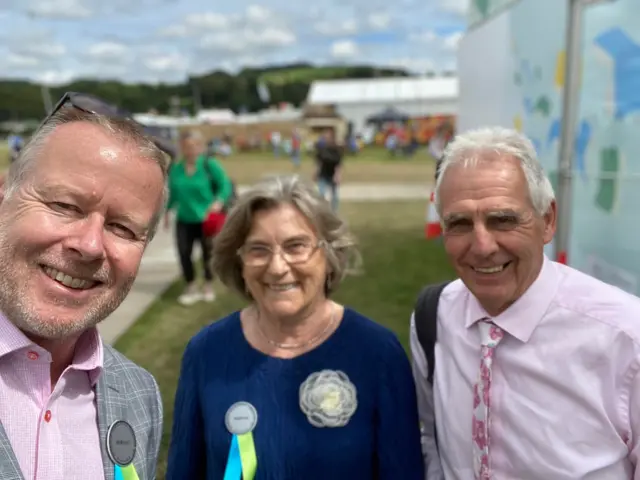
(208, 295)
(190, 297)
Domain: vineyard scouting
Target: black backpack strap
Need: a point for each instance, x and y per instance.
(232, 197)
(426, 320)
(207, 168)
(425, 316)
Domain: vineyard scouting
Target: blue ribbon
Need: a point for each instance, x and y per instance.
(118, 473)
(234, 465)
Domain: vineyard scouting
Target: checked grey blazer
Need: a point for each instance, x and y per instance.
(124, 392)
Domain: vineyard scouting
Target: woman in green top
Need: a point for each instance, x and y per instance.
(198, 185)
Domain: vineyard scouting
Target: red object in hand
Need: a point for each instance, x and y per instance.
(213, 223)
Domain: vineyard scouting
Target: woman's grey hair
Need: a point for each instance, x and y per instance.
(496, 143)
(122, 129)
(340, 248)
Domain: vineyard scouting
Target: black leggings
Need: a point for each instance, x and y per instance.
(186, 235)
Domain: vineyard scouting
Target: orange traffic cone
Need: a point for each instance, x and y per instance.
(562, 258)
(432, 227)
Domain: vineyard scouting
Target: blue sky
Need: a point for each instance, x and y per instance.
(53, 41)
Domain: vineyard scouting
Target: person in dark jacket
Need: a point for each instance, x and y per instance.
(329, 162)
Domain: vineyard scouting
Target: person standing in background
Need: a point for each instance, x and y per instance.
(296, 144)
(329, 160)
(276, 143)
(198, 186)
(15, 142)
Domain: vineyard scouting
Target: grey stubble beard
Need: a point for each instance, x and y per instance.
(15, 305)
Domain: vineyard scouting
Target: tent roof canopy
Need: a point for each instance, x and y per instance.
(382, 90)
(389, 114)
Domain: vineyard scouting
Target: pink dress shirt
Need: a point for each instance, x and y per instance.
(54, 434)
(565, 393)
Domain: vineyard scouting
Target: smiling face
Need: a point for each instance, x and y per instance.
(492, 234)
(279, 289)
(74, 231)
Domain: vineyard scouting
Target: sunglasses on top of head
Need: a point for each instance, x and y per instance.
(96, 106)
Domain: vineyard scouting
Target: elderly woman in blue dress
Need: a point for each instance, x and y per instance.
(294, 386)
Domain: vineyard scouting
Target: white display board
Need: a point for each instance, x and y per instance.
(511, 72)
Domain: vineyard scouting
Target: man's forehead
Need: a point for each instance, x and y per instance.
(80, 133)
(75, 127)
(72, 140)
(486, 160)
(482, 212)
(500, 177)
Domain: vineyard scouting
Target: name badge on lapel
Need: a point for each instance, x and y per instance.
(121, 448)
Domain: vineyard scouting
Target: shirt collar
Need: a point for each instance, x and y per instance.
(521, 318)
(11, 338)
(88, 356)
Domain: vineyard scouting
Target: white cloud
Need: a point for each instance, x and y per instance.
(108, 52)
(41, 50)
(379, 20)
(174, 31)
(428, 36)
(79, 9)
(54, 78)
(21, 61)
(206, 21)
(458, 7)
(166, 63)
(444, 42)
(344, 49)
(451, 41)
(166, 40)
(248, 40)
(196, 24)
(414, 64)
(341, 28)
(258, 14)
(60, 9)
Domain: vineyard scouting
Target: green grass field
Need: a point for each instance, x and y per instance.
(372, 166)
(397, 262)
(4, 156)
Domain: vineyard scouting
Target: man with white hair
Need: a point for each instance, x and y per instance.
(78, 208)
(531, 369)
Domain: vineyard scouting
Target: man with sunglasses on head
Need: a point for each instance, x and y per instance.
(77, 209)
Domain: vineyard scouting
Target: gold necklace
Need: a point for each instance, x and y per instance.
(297, 346)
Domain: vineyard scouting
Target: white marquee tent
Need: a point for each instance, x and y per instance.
(358, 99)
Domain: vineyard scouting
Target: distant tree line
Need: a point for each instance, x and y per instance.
(22, 100)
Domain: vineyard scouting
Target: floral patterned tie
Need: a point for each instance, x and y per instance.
(490, 335)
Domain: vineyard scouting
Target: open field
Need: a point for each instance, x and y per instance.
(397, 262)
(371, 166)
(4, 156)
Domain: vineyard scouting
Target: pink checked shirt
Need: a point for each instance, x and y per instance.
(54, 434)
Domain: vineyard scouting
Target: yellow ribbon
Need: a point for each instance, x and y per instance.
(127, 473)
(248, 456)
